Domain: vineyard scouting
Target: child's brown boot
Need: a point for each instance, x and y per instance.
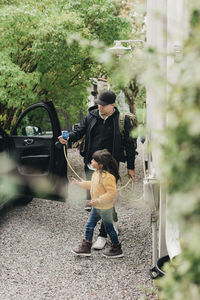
(114, 252)
(84, 249)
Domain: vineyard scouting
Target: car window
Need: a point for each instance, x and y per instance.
(35, 122)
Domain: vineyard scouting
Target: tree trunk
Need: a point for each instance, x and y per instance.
(131, 94)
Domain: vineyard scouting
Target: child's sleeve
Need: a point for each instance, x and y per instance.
(85, 184)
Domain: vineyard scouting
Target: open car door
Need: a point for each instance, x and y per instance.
(41, 166)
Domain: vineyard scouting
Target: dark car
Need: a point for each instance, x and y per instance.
(31, 164)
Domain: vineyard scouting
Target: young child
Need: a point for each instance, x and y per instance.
(103, 189)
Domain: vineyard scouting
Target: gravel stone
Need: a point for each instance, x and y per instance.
(36, 241)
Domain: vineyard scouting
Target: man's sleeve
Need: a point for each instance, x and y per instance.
(79, 131)
(130, 144)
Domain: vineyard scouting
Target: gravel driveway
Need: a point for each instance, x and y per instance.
(35, 253)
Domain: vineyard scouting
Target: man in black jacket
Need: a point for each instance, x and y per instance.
(101, 128)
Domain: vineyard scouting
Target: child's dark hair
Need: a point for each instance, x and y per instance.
(108, 162)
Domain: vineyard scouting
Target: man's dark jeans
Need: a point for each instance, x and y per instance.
(102, 231)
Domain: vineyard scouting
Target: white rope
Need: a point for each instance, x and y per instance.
(123, 187)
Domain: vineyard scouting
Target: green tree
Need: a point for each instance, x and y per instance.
(46, 52)
(122, 70)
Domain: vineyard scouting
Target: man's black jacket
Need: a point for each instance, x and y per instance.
(120, 143)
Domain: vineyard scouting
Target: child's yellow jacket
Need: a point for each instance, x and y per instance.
(103, 188)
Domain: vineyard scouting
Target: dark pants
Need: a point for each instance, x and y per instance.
(106, 215)
(102, 231)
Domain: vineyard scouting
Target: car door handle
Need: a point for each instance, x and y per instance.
(28, 142)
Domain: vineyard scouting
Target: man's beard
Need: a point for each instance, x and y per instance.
(107, 114)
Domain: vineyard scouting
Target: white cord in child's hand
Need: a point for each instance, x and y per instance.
(94, 202)
(75, 181)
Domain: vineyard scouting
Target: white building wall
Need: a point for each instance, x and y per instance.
(156, 94)
(177, 30)
(156, 38)
(166, 30)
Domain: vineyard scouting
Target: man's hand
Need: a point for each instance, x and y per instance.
(131, 173)
(62, 141)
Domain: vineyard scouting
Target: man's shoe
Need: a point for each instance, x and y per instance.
(84, 249)
(88, 206)
(100, 243)
(114, 252)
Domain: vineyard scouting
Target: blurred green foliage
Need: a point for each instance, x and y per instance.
(141, 112)
(181, 169)
(9, 184)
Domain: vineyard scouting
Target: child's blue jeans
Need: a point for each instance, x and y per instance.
(106, 215)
